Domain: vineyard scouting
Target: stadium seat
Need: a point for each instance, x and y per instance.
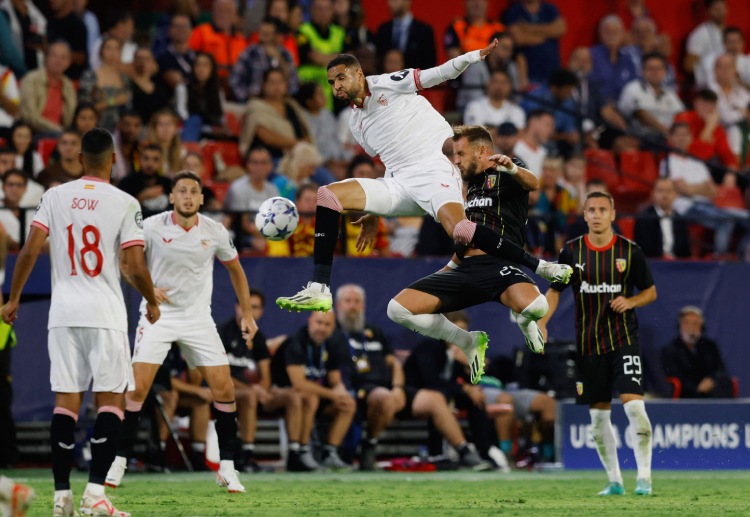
(600, 164)
(219, 188)
(229, 152)
(627, 226)
(233, 123)
(45, 147)
(677, 387)
(638, 171)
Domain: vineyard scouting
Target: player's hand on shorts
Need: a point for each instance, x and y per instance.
(368, 231)
(10, 312)
(249, 329)
(161, 295)
(621, 304)
(152, 313)
(488, 50)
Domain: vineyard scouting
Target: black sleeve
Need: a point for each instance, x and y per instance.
(294, 352)
(337, 352)
(672, 365)
(641, 272)
(519, 163)
(450, 39)
(223, 332)
(565, 258)
(380, 336)
(260, 348)
(129, 185)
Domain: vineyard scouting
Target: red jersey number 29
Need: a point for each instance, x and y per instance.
(90, 236)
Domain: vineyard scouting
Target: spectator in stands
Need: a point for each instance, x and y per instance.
(650, 105)
(161, 38)
(413, 38)
(65, 25)
(324, 129)
(204, 107)
(107, 88)
(531, 148)
(466, 34)
(122, 27)
(707, 37)
(85, 118)
(319, 41)
(734, 45)
(505, 137)
(558, 98)
(163, 130)
(176, 61)
(738, 137)
(600, 121)
(148, 186)
(221, 38)
(274, 120)
(282, 10)
(574, 178)
(496, 107)
(28, 28)
(695, 360)
(89, 19)
(9, 100)
(149, 92)
(301, 242)
(28, 159)
(310, 361)
(251, 375)
(297, 168)
(614, 64)
(247, 74)
(376, 376)
(696, 188)
(709, 141)
(431, 384)
(68, 167)
(393, 61)
(733, 97)
(351, 18)
(14, 214)
(646, 39)
(555, 204)
(48, 98)
(126, 139)
(536, 27)
(659, 230)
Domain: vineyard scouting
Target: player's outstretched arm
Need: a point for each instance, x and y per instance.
(24, 265)
(133, 264)
(452, 68)
(242, 290)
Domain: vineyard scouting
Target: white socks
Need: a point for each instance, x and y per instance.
(533, 312)
(606, 443)
(641, 436)
(225, 465)
(435, 326)
(94, 490)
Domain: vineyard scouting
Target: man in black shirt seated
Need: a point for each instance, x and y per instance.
(310, 361)
(375, 374)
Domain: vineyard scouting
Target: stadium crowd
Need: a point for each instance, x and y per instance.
(239, 95)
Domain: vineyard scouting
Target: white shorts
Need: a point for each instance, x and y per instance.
(412, 192)
(198, 340)
(78, 354)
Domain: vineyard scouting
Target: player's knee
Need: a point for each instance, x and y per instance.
(398, 313)
(538, 308)
(636, 413)
(463, 232)
(327, 198)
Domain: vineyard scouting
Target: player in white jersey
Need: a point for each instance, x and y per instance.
(389, 119)
(180, 250)
(89, 224)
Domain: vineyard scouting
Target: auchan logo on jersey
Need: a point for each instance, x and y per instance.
(480, 202)
(600, 288)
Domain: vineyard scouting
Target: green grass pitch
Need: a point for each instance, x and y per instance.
(571, 493)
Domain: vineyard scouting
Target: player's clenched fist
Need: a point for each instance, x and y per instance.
(10, 312)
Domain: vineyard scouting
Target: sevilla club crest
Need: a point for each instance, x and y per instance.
(621, 264)
(205, 243)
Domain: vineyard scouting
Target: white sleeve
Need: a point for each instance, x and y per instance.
(403, 81)
(41, 218)
(131, 229)
(628, 102)
(734, 136)
(471, 114)
(225, 250)
(448, 70)
(695, 42)
(518, 117)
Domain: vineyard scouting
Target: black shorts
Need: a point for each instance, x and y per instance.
(598, 375)
(360, 396)
(476, 280)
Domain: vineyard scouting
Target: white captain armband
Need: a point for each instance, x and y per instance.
(452, 265)
(511, 171)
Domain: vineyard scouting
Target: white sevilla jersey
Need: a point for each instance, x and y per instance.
(88, 222)
(182, 261)
(397, 124)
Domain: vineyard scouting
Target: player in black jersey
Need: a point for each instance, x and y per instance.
(497, 200)
(608, 268)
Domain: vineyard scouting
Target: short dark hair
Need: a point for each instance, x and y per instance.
(131, 113)
(15, 172)
(539, 113)
(733, 29)
(306, 92)
(7, 150)
(186, 175)
(97, 147)
(597, 194)
(278, 25)
(707, 95)
(654, 55)
(259, 294)
(357, 161)
(677, 125)
(709, 3)
(343, 59)
(563, 77)
(473, 134)
(310, 186)
(153, 147)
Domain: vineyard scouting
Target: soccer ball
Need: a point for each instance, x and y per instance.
(277, 218)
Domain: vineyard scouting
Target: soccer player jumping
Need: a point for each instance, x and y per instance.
(389, 119)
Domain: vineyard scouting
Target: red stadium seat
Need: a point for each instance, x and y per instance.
(627, 226)
(192, 147)
(219, 188)
(638, 172)
(46, 146)
(233, 123)
(229, 152)
(600, 164)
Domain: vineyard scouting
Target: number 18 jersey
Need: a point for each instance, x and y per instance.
(88, 222)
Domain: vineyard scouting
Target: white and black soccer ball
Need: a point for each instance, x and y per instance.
(277, 218)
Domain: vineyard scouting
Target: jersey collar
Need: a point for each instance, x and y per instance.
(93, 178)
(603, 248)
(174, 221)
